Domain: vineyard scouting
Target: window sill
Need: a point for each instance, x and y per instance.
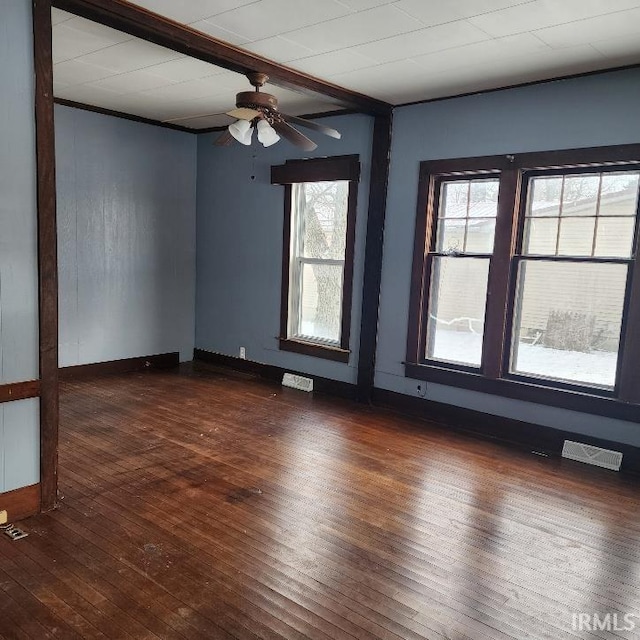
(582, 401)
(314, 349)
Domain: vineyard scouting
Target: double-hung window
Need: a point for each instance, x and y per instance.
(525, 279)
(320, 206)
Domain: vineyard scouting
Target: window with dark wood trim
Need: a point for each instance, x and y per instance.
(525, 280)
(318, 245)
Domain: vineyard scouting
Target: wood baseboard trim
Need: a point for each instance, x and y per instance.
(524, 435)
(21, 503)
(126, 365)
(19, 390)
(274, 373)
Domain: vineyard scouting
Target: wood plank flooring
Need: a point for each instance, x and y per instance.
(209, 504)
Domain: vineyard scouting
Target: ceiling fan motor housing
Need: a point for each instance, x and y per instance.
(256, 100)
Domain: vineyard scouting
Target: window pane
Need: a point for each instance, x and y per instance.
(480, 234)
(322, 208)
(544, 196)
(454, 199)
(483, 198)
(567, 321)
(615, 237)
(619, 194)
(467, 216)
(320, 302)
(576, 236)
(541, 236)
(451, 235)
(580, 195)
(456, 310)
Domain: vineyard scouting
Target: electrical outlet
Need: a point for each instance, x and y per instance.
(243, 353)
(422, 389)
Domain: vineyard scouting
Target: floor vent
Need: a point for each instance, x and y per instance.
(592, 455)
(297, 382)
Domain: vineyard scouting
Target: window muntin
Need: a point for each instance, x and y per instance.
(318, 244)
(459, 267)
(467, 215)
(587, 214)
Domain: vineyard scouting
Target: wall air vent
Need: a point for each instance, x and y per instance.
(297, 382)
(592, 455)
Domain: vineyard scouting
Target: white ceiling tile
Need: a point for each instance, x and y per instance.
(433, 13)
(355, 29)
(215, 31)
(88, 95)
(232, 82)
(192, 90)
(408, 45)
(503, 71)
(58, 16)
(619, 24)
(546, 13)
(131, 82)
(184, 69)
(363, 5)
(77, 37)
(78, 72)
(96, 30)
(384, 77)
(327, 64)
(191, 10)
(268, 18)
(278, 48)
(132, 55)
(203, 122)
(193, 109)
(619, 46)
(488, 52)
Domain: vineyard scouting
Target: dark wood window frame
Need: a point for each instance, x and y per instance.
(318, 170)
(493, 376)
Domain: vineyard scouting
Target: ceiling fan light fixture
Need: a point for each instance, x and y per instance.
(241, 131)
(266, 133)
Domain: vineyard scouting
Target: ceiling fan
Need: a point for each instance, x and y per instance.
(259, 111)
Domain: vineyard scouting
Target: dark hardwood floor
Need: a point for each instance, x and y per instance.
(209, 504)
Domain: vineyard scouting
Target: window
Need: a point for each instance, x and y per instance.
(525, 277)
(458, 267)
(320, 207)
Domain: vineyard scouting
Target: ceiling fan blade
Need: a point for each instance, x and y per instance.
(224, 139)
(243, 113)
(294, 136)
(309, 124)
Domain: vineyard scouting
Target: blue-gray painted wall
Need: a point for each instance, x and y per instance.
(126, 195)
(239, 247)
(583, 112)
(19, 420)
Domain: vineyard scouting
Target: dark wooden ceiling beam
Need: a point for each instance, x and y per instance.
(144, 24)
